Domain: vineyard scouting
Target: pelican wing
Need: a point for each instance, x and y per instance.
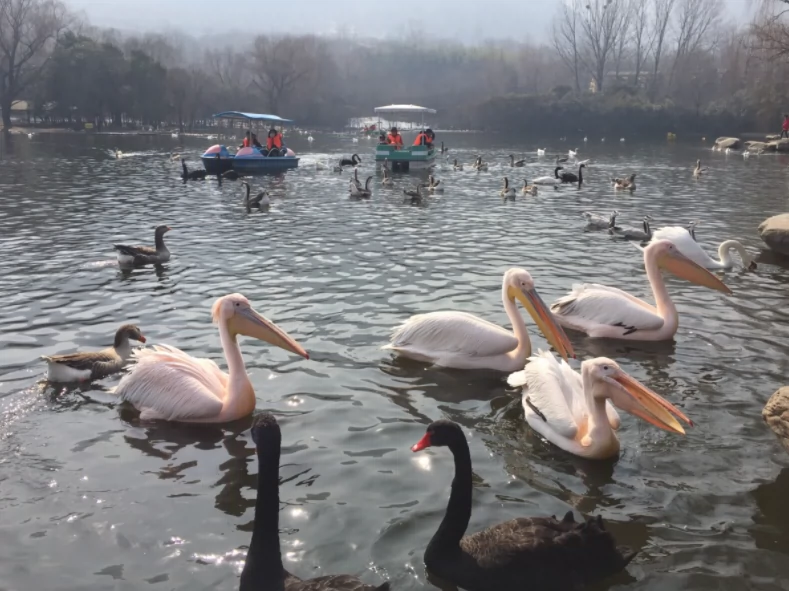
(174, 385)
(591, 305)
(452, 332)
(686, 245)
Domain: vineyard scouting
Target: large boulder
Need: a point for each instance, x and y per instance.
(776, 415)
(772, 136)
(727, 142)
(760, 146)
(781, 145)
(775, 233)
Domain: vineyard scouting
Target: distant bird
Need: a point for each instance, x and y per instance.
(30, 135)
(621, 139)
(443, 149)
(310, 139)
(517, 163)
(572, 153)
(561, 159)
(595, 221)
(174, 134)
(261, 200)
(356, 140)
(602, 139)
(479, 165)
(585, 138)
(540, 152)
(192, 175)
(118, 154)
(387, 180)
(135, 256)
(415, 195)
(457, 166)
(698, 171)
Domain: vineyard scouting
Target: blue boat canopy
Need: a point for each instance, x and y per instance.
(251, 116)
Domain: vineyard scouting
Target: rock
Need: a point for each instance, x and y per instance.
(760, 146)
(772, 136)
(727, 142)
(775, 233)
(776, 415)
(781, 145)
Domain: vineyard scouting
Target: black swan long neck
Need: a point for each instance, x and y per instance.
(263, 569)
(455, 522)
(580, 176)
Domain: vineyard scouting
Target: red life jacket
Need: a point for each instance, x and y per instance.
(275, 141)
(245, 143)
(421, 139)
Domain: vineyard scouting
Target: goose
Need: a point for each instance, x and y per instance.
(168, 384)
(261, 200)
(192, 175)
(632, 233)
(550, 180)
(507, 192)
(628, 183)
(361, 192)
(528, 189)
(457, 166)
(561, 159)
(595, 221)
(89, 366)
(516, 163)
(540, 152)
(135, 256)
(355, 180)
(263, 570)
(415, 194)
(572, 153)
(529, 552)
(387, 181)
(352, 161)
(698, 171)
(479, 165)
(569, 177)
(433, 185)
(684, 240)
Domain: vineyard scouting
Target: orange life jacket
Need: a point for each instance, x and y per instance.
(245, 143)
(421, 139)
(273, 142)
(397, 140)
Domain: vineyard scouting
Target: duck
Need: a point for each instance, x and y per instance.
(540, 152)
(361, 192)
(136, 256)
(457, 166)
(387, 181)
(685, 241)
(354, 160)
(595, 221)
(542, 553)
(433, 185)
(192, 175)
(263, 570)
(698, 171)
(479, 165)
(632, 233)
(261, 200)
(528, 189)
(628, 183)
(507, 192)
(550, 180)
(572, 153)
(94, 365)
(517, 163)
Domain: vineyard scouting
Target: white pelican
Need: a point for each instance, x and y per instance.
(684, 241)
(570, 409)
(464, 341)
(168, 384)
(608, 312)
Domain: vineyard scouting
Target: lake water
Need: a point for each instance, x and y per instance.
(91, 499)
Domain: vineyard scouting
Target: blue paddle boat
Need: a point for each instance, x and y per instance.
(218, 159)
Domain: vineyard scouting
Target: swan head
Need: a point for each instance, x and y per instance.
(266, 432)
(161, 230)
(610, 381)
(128, 332)
(519, 285)
(668, 257)
(747, 259)
(442, 433)
(237, 314)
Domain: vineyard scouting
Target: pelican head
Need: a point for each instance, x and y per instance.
(237, 314)
(520, 286)
(669, 257)
(633, 397)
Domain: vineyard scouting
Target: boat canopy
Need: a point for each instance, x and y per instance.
(405, 109)
(251, 117)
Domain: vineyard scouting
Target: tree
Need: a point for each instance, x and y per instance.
(642, 38)
(695, 20)
(661, 19)
(566, 38)
(28, 29)
(602, 22)
(279, 64)
(771, 30)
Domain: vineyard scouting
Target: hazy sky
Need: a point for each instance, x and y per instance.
(472, 20)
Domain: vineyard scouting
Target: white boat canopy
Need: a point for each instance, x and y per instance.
(404, 109)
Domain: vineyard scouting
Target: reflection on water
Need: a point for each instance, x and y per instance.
(92, 498)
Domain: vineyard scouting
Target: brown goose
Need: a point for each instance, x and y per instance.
(133, 256)
(530, 552)
(628, 183)
(263, 570)
(80, 367)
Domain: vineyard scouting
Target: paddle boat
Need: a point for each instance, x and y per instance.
(408, 157)
(218, 159)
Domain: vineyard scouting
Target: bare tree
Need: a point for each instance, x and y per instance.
(771, 30)
(566, 38)
(28, 29)
(695, 21)
(602, 23)
(624, 38)
(279, 64)
(643, 37)
(662, 10)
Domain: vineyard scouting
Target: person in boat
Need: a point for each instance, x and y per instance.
(274, 145)
(394, 138)
(381, 138)
(785, 127)
(431, 137)
(255, 142)
(247, 141)
(425, 138)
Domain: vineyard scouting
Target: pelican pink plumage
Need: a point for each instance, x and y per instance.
(171, 385)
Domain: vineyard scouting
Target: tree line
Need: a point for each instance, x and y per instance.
(650, 65)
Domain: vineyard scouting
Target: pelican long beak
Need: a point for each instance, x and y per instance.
(681, 266)
(251, 324)
(544, 319)
(635, 398)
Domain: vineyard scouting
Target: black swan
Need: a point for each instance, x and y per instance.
(261, 200)
(352, 161)
(192, 175)
(539, 553)
(569, 177)
(145, 255)
(263, 570)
